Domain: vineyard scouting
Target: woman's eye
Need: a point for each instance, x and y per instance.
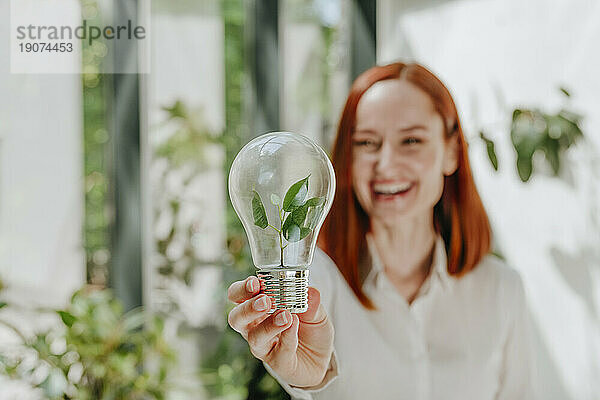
(366, 143)
(411, 141)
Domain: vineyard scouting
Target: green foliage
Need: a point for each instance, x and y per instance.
(565, 91)
(491, 150)
(188, 142)
(67, 318)
(292, 213)
(295, 195)
(98, 353)
(96, 155)
(258, 211)
(293, 227)
(315, 202)
(534, 131)
(96, 225)
(551, 134)
(293, 222)
(185, 147)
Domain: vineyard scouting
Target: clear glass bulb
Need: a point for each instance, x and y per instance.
(281, 186)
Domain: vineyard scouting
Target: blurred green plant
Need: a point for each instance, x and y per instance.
(96, 155)
(188, 143)
(534, 131)
(550, 134)
(185, 151)
(96, 352)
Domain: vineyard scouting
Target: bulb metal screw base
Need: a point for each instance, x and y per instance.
(287, 288)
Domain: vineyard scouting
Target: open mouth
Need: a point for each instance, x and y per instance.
(390, 191)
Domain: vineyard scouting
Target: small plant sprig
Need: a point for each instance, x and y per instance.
(535, 131)
(293, 225)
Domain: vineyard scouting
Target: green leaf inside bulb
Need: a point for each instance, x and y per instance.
(295, 195)
(258, 211)
(294, 228)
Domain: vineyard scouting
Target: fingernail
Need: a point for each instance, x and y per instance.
(281, 319)
(251, 285)
(260, 304)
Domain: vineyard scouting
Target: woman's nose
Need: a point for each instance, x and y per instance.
(386, 157)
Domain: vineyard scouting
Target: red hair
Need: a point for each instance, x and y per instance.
(459, 216)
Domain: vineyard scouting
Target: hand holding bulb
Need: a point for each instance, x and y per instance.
(281, 186)
(297, 346)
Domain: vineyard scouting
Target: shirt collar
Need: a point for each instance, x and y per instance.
(439, 270)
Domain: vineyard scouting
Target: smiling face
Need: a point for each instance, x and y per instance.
(400, 154)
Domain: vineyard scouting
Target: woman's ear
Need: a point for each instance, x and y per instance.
(451, 155)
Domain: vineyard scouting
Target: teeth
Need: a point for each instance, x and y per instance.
(387, 188)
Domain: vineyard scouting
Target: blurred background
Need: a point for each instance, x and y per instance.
(113, 186)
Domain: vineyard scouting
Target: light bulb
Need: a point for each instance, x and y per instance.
(281, 186)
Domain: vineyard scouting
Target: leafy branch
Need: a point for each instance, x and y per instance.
(292, 212)
(97, 352)
(534, 131)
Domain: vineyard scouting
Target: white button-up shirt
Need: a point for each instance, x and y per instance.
(460, 339)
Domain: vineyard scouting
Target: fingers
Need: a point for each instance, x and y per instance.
(263, 338)
(273, 338)
(248, 312)
(288, 342)
(241, 291)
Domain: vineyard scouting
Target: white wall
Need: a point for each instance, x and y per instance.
(41, 195)
(41, 181)
(496, 55)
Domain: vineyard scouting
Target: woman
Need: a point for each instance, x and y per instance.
(420, 309)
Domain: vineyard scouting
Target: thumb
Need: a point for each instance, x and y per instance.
(316, 312)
